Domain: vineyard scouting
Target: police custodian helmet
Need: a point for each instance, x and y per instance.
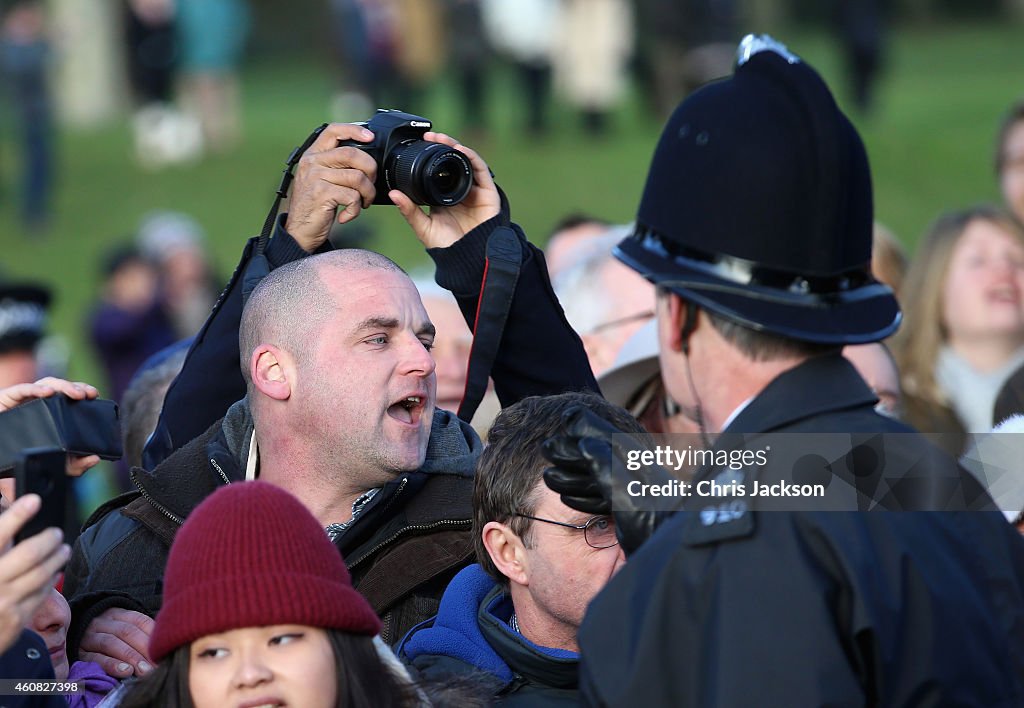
(758, 206)
(23, 309)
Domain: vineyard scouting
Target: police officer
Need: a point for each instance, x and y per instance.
(755, 226)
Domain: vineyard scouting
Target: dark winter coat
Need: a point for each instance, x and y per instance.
(812, 608)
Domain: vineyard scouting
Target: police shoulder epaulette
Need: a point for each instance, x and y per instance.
(722, 516)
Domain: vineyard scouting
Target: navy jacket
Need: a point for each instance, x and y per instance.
(812, 607)
(471, 637)
(28, 659)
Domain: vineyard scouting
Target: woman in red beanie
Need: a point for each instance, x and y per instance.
(259, 609)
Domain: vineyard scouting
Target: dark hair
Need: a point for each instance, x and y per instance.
(120, 256)
(166, 686)
(511, 466)
(363, 678)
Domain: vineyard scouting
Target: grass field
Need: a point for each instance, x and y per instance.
(930, 144)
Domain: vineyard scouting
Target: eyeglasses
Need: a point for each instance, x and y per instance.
(598, 532)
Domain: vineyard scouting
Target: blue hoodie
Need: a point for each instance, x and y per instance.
(471, 633)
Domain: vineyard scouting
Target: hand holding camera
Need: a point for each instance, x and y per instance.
(48, 387)
(392, 158)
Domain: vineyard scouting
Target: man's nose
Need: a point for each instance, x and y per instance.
(417, 360)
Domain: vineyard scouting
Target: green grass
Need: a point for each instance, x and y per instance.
(930, 144)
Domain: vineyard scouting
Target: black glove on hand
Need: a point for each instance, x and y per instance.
(590, 475)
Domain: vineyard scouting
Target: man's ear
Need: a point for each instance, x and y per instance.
(675, 309)
(507, 552)
(271, 370)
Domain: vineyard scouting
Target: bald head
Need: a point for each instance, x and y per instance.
(289, 306)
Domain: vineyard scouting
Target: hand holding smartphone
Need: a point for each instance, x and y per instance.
(42, 471)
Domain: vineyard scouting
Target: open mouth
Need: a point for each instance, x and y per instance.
(408, 410)
(1004, 295)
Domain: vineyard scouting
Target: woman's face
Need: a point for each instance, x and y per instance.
(982, 296)
(280, 665)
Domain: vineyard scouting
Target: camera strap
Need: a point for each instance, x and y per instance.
(282, 189)
(501, 273)
(258, 267)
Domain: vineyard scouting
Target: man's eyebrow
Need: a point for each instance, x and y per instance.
(427, 328)
(377, 322)
(580, 519)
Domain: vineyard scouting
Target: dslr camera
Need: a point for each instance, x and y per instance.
(431, 174)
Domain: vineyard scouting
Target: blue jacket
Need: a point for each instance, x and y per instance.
(471, 636)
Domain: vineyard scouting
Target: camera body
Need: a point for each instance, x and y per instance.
(86, 427)
(430, 174)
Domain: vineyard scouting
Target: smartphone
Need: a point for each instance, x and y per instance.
(41, 471)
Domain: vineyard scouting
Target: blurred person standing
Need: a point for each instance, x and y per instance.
(151, 44)
(363, 41)
(212, 34)
(162, 133)
(420, 51)
(130, 323)
(525, 32)
(175, 243)
(859, 24)
(964, 331)
(591, 58)
(469, 55)
(25, 58)
(685, 44)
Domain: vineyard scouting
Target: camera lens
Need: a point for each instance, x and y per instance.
(429, 173)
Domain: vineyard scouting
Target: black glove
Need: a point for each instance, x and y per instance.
(590, 475)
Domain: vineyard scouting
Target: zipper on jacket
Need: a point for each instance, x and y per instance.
(403, 531)
(157, 505)
(220, 471)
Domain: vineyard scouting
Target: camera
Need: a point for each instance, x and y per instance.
(428, 173)
(86, 427)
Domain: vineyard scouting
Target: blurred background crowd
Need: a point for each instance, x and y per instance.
(140, 143)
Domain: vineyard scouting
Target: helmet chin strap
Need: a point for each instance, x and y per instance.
(689, 325)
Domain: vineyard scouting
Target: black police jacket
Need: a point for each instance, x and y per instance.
(813, 608)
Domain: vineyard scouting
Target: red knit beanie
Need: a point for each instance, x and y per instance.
(251, 555)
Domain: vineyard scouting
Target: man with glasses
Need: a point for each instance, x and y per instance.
(513, 617)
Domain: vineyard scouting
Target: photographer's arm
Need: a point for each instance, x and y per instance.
(540, 353)
(326, 177)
